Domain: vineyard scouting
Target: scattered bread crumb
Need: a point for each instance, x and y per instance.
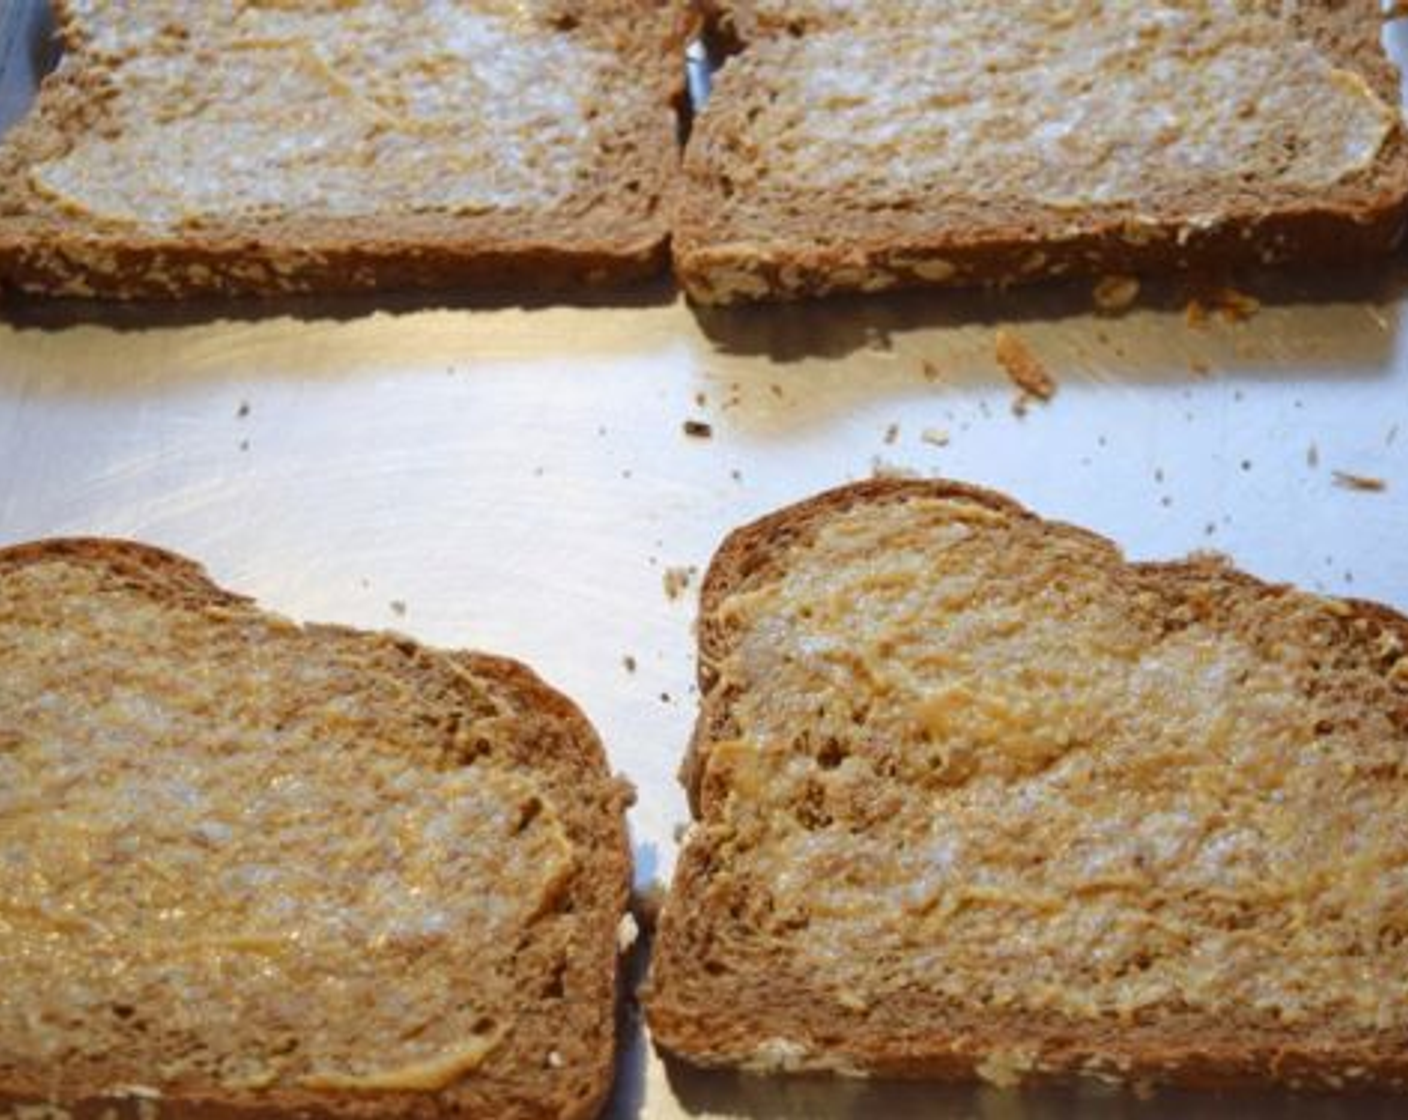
(242, 411)
(1023, 368)
(646, 903)
(629, 662)
(677, 581)
(937, 436)
(930, 370)
(892, 433)
(398, 608)
(1362, 482)
(554, 1060)
(627, 933)
(1199, 366)
(698, 429)
(1115, 293)
(1006, 1068)
(1230, 305)
(880, 468)
(1312, 456)
(701, 399)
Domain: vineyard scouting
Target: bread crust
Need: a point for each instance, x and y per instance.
(565, 753)
(613, 230)
(731, 1017)
(729, 249)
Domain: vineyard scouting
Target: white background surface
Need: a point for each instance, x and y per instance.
(518, 480)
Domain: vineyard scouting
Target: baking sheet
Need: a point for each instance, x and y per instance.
(518, 479)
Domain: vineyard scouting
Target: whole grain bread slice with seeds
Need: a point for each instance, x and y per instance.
(859, 147)
(334, 147)
(250, 867)
(976, 796)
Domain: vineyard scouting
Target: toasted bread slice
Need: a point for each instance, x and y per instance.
(974, 795)
(849, 149)
(345, 145)
(248, 866)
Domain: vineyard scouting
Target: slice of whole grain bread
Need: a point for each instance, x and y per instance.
(343, 146)
(863, 147)
(976, 796)
(251, 867)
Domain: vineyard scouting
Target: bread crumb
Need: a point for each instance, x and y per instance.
(554, 1060)
(398, 608)
(1362, 482)
(1199, 366)
(1235, 306)
(1023, 367)
(930, 370)
(892, 433)
(627, 933)
(1006, 1068)
(1312, 456)
(629, 662)
(937, 436)
(646, 903)
(1230, 305)
(677, 580)
(880, 468)
(1115, 293)
(242, 411)
(698, 429)
(701, 399)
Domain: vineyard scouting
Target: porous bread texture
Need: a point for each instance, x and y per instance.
(976, 796)
(865, 147)
(249, 867)
(346, 146)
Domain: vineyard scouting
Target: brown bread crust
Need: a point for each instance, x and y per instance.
(717, 996)
(562, 752)
(614, 229)
(732, 246)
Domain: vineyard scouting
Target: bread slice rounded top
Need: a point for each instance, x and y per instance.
(974, 794)
(253, 866)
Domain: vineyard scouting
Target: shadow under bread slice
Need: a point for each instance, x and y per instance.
(976, 796)
(253, 866)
